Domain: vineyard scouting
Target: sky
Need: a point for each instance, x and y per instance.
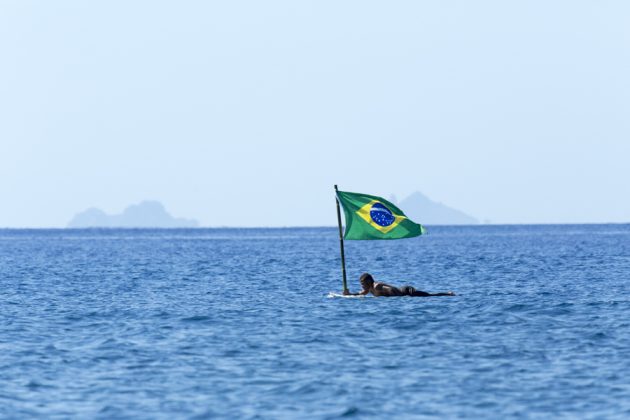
(246, 113)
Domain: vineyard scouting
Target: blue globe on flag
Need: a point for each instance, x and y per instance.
(381, 215)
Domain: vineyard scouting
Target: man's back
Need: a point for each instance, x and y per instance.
(383, 289)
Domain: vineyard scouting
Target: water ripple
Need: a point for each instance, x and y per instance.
(239, 324)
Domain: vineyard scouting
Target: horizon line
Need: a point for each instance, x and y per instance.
(302, 226)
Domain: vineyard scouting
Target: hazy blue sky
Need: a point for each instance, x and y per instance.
(246, 113)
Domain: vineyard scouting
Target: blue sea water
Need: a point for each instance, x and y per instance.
(237, 323)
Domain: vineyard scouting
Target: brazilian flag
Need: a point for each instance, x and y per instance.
(371, 217)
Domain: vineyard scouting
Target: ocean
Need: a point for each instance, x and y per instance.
(238, 323)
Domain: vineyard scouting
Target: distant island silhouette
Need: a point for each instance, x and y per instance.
(147, 214)
(421, 209)
(152, 214)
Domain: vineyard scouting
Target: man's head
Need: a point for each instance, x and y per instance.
(367, 281)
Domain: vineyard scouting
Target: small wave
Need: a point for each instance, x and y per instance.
(351, 411)
(196, 318)
(34, 385)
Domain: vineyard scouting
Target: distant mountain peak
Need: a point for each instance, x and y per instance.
(418, 196)
(148, 213)
(422, 209)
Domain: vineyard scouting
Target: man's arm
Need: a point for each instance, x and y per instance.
(361, 293)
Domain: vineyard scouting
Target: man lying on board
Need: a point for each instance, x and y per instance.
(381, 289)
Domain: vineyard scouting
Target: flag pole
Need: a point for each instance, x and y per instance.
(343, 257)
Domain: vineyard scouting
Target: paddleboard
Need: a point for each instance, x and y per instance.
(339, 295)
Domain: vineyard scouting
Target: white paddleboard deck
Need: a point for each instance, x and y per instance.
(339, 295)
